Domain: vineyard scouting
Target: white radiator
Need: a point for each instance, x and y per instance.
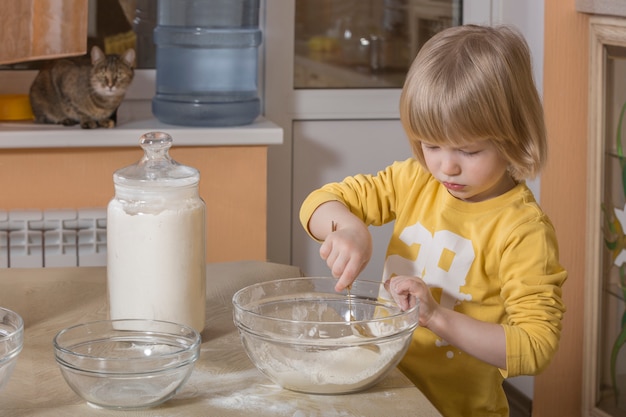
(52, 238)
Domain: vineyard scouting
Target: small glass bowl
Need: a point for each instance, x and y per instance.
(11, 342)
(306, 337)
(126, 364)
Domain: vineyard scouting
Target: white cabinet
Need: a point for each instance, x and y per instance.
(327, 151)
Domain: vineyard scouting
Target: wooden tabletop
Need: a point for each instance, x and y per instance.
(224, 382)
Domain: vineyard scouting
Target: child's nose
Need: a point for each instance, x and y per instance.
(449, 166)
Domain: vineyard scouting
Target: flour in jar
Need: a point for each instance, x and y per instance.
(156, 263)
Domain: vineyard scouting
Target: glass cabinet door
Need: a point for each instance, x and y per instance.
(364, 43)
(611, 343)
(605, 303)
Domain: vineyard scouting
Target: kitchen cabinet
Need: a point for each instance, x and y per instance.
(42, 29)
(232, 183)
(605, 275)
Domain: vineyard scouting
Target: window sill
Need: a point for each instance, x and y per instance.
(17, 135)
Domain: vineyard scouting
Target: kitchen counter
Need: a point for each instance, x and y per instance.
(224, 382)
(26, 135)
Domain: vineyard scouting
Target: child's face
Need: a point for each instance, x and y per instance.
(473, 172)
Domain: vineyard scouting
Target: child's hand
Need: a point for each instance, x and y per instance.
(346, 252)
(405, 290)
(483, 340)
(347, 242)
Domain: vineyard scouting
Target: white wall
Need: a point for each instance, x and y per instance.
(528, 16)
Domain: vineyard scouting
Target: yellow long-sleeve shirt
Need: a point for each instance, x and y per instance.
(495, 260)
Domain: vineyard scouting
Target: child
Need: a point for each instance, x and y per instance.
(469, 240)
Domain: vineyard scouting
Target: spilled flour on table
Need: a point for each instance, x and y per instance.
(271, 399)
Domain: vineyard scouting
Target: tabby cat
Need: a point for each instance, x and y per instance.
(85, 90)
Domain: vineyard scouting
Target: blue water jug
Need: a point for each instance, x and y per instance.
(207, 62)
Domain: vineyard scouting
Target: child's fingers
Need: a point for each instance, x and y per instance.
(402, 289)
(325, 249)
(338, 266)
(344, 281)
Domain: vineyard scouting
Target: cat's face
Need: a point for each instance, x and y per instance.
(111, 74)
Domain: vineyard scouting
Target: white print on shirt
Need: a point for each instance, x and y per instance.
(429, 257)
(427, 265)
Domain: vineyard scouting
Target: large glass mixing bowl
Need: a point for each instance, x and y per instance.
(306, 337)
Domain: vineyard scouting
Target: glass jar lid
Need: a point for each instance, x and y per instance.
(156, 168)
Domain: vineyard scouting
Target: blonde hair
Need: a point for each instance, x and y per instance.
(472, 83)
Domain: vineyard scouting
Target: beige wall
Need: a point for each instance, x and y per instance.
(563, 194)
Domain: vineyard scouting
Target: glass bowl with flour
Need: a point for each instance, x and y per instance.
(306, 337)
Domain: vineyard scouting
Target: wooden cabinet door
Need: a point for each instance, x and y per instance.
(42, 29)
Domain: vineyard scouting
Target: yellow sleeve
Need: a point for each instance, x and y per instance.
(532, 292)
(372, 198)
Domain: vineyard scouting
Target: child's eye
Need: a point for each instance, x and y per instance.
(469, 152)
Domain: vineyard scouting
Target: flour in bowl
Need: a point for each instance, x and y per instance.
(323, 370)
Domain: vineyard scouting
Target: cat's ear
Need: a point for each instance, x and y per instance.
(96, 55)
(129, 57)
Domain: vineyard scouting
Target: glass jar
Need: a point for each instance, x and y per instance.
(156, 239)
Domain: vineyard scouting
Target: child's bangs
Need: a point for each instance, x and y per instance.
(442, 120)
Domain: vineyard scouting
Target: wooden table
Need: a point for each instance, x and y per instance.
(224, 381)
